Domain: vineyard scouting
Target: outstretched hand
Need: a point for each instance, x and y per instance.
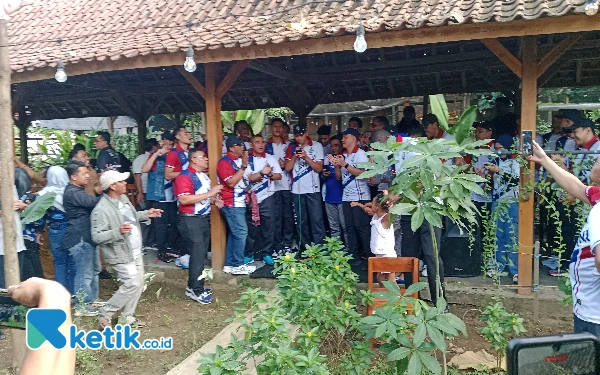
(538, 153)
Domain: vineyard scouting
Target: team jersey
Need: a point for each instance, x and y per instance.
(585, 278)
(304, 179)
(263, 188)
(177, 159)
(506, 185)
(479, 162)
(226, 168)
(191, 182)
(582, 164)
(278, 151)
(158, 169)
(402, 156)
(355, 189)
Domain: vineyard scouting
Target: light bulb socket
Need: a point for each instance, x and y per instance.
(360, 30)
(60, 65)
(190, 52)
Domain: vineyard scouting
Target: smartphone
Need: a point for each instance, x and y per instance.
(12, 314)
(577, 354)
(298, 151)
(527, 138)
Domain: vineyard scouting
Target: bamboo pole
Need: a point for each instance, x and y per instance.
(7, 178)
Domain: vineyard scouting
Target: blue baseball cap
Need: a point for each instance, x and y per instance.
(353, 132)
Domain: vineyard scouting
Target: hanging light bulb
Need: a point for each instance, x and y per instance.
(190, 64)
(360, 45)
(591, 7)
(61, 75)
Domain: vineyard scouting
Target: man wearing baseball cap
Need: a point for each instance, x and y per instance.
(160, 195)
(355, 189)
(117, 232)
(566, 118)
(231, 170)
(304, 159)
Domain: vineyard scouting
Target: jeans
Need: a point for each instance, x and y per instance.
(583, 326)
(195, 232)
(416, 243)
(238, 232)
(87, 266)
(309, 210)
(64, 268)
(131, 276)
(358, 229)
(283, 220)
(260, 238)
(335, 216)
(507, 234)
(165, 226)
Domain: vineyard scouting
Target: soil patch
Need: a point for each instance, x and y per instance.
(168, 313)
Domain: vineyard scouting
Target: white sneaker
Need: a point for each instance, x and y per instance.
(424, 271)
(227, 269)
(516, 279)
(241, 270)
(249, 267)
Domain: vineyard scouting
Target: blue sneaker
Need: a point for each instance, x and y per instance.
(248, 260)
(268, 260)
(206, 290)
(203, 298)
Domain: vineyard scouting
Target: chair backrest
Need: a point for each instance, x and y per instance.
(131, 191)
(408, 265)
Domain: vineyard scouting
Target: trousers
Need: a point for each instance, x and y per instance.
(165, 226)
(260, 238)
(283, 220)
(195, 233)
(358, 229)
(238, 232)
(416, 243)
(335, 216)
(309, 210)
(127, 296)
(87, 266)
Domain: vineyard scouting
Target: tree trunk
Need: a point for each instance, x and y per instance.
(7, 177)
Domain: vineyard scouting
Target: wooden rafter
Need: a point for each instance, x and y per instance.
(232, 75)
(552, 57)
(274, 71)
(193, 81)
(425, 35)
(510, 60)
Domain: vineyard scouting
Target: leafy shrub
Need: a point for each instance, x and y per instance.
(500, 327)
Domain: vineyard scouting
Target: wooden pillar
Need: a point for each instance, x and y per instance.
(425, 104)
(528, 122)
(142, 131)
(214, 136)
(111, 124)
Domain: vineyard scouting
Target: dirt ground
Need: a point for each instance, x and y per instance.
(192, 325)
(172, 314)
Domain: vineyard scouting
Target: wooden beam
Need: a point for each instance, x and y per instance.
(232, 75)
(551, 57)
(214, 136)
(399, 38)
(193, 81)
(505, 56)
(274, 71)
(528, 122)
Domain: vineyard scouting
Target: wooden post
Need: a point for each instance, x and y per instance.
(528, 122)
(111, 124)
(7, 176)
(425, 104)
(142, 132)
(214, 136)
(536, 281)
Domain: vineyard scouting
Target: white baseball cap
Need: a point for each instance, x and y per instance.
(110, 177)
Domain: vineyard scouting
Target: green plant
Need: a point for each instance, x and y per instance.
(500, 327)
(409, 339)
(464, 126)
(440, 109)
(86, 362)
(37, 209)
(126, 144)
(167, 320)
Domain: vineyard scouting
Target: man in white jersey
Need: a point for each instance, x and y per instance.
(283, 212)
(304, 159)
(585, 261)
(263, 170)
(356, 189)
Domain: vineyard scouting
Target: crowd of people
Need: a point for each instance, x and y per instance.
(276, 194)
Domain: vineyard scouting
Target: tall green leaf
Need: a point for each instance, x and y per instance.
(38, 208)
(440, 109)
(258, 122)
(462, 129)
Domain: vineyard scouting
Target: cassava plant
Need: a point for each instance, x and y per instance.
(429, 188)
(500, 327)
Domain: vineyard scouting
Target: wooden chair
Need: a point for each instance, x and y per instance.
(404, 265)
(131, 192)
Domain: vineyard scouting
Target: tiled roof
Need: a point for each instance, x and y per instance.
(86, 123)
(115, 29)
